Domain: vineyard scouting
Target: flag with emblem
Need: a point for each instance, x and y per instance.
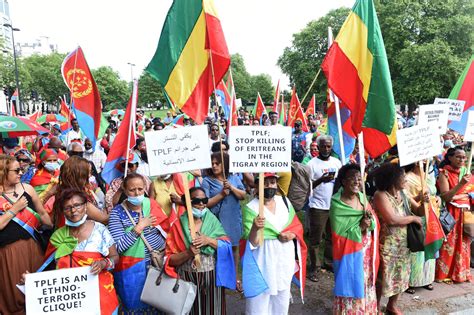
(311, 110)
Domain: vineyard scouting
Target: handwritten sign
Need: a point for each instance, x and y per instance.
(418, 143)
(178, 150)
(469, 133)
(456, 107)
(260, 149)
(62, 291)
(435, 115)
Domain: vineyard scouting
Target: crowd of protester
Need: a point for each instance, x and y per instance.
(55, 202)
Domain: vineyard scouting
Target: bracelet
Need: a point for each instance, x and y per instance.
(12, 213)
(109, 263)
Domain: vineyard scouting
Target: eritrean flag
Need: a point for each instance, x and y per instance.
(259, 108)
(347, 247)
(434, 234)
(357, 71)
(253, 279)
(464, 90)
(191, 38)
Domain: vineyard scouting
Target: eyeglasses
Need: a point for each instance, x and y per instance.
(76, 206)
(23, 160)
(196, 201)
(16, 170)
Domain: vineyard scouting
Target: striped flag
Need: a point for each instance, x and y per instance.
(259, 108)
(191, 53)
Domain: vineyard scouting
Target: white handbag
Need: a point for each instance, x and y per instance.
(170, 295)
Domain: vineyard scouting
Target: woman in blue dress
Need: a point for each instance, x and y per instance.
(225, 191)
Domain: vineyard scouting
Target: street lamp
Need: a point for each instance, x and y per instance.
(14, 29)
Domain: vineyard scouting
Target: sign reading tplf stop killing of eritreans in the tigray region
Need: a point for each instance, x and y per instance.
(259, 149)
(178, 150)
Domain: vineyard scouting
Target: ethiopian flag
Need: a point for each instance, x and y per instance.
(464, 90)
(192, 56)
(357, 71)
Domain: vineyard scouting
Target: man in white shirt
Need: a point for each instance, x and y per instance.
(324, 170)
(96, 156)
(74, 133)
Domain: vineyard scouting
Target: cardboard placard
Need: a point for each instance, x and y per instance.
(456, 107)
(259, 149)
(62, 291)
(469, 133)
(418, 143)
(434, 115)
(178, 150)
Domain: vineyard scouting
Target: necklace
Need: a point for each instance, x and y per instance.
(15, 194)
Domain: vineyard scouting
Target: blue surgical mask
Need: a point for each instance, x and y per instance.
(78, 223)
(198, 213)
(448, 143)
(137, 200)
(52, 166)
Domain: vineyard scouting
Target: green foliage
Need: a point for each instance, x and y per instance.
(302, 60)
(247, 86)
(428, 43)
(149, 91)
(114, 92)
(42, 73)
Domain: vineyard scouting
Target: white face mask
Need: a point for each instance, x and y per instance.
(90, 151)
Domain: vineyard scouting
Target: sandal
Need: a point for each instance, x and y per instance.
(429, 287)
(410, 290)
(312, 277)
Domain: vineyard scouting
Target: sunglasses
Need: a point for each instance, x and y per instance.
(16, 170)
(23, 160)
(196, 201)
(213, 129)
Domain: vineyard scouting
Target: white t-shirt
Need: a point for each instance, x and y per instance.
(321, 196)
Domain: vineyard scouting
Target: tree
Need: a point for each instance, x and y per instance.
(114, 92)
(302, 60)
(149, 91)
(42, 74)
(428, 42)
(262, 83)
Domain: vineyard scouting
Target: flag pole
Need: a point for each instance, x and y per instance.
(422, 179)
(131, 124)
(69, 112)
(469, 161)
(192, 226)
(218, 120)
(362, 161)
(311, 86)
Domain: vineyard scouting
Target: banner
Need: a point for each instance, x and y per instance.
(256, 149)
(418, 143)
(62, 291)
(456, 107)
(469, 134)
(435, 115)
(178, 150)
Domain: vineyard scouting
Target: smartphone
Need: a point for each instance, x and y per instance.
(332, 174)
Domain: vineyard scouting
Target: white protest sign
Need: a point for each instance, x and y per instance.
(469, 133)
(256, 149)
(62, 291)
(418, 143)
(456, 107)
(178, 150)
(435, 115)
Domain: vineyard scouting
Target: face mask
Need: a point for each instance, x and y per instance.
(165, 177)
(90, 151)
(269, 193)
(136, 201)
(197, 213)
(52, 166)
(448, 143)
(78, 223)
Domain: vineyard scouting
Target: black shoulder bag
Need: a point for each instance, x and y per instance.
(415, 233)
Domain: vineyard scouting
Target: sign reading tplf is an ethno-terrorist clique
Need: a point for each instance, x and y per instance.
(178, 150)
(260, 149)
(62, 291)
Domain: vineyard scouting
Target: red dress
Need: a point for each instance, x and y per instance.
(454, 256)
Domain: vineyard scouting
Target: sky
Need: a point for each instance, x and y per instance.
(117, 32)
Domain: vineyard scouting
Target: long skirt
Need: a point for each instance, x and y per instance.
(454, 256)
(367, 305)
(15, 259)
(210, 299)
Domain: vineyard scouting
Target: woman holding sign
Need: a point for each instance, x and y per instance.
(83, 242)
(216, 268)
(225, 191)
(455, 184)
(21, 214)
